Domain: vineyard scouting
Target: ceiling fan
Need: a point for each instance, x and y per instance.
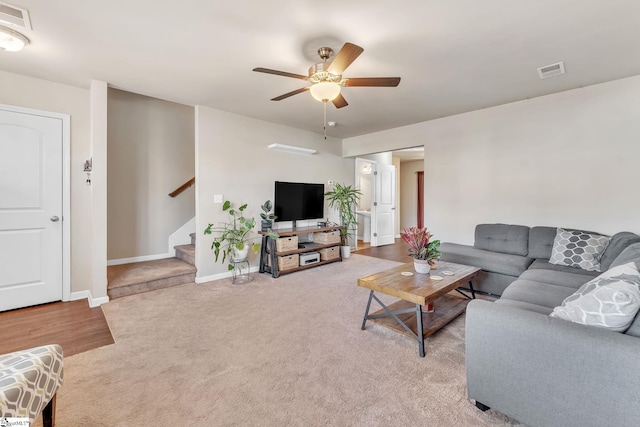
(326, 77)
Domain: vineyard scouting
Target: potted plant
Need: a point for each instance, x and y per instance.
(267, 215)
(232, 237)
(422, 249)
(344, 199)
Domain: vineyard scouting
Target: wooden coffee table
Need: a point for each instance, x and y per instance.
(407, 316)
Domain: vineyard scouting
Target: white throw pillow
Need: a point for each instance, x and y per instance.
(609, 301)
(576, 248)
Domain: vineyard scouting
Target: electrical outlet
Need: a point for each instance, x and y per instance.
(217, 198)
(330, 182)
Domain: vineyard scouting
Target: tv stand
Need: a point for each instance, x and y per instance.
(269, 255)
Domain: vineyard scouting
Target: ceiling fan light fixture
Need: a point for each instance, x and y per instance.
(12, 41)
(325, 91)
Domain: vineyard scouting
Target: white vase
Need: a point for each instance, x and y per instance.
(346, 251)
(421, 266)
(240, 254)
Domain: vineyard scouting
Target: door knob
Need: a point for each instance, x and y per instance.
(55, 219)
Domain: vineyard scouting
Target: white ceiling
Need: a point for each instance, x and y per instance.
(453, 55)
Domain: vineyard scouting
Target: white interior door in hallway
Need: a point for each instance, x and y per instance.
(383, 213)
(31, 207)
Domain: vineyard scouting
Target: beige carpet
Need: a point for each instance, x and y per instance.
(274, 352)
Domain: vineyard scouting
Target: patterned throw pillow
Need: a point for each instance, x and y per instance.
(610, 301)
(578, 249)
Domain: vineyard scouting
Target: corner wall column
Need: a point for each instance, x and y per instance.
(98, 103)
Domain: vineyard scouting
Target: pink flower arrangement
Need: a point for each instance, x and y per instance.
(420, 244)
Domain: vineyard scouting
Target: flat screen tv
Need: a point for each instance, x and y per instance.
(298, 201)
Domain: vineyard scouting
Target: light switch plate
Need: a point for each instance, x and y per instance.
(217, 198)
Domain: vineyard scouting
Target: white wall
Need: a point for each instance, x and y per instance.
(232, 159)
(568, 159)
(55, 97)
(409, 196)
(151, 153)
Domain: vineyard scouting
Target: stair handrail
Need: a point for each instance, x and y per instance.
(183, 187)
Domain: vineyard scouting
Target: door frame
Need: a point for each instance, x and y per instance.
(358, 160)
(66, 189)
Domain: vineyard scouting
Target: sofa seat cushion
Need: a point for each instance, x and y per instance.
(559, 278)
(525, 306)
(503, 238)
(537, 293)
(495, 262)
(543, 264)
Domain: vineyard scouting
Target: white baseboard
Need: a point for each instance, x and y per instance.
(138, 259)
(93, 302)
(219, 276)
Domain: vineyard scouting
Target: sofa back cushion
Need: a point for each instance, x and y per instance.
(618, 243)
(541, 242)
(630, 254)
(503, 238)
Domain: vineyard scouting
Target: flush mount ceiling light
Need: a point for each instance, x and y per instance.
(12, 41)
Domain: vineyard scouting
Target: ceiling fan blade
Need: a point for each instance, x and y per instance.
(373, 81)
(280, 73)
(339, 101)
(344, 58)
(286, 95)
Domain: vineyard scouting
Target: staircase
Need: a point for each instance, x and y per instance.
(138, 277)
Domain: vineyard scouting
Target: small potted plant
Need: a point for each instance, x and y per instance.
(422, 249)
(232, 237)
(344, 198)
(267, 215)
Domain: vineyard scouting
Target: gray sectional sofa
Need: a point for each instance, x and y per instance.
(538, 369)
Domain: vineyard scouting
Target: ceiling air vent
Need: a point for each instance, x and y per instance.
(14, 16)
(551, 70)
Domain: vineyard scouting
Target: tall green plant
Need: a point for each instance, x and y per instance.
(344, 198)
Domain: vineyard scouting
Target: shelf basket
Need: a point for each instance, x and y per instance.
(288, 262)
(285, 244)
(327, 254)
(327, 238)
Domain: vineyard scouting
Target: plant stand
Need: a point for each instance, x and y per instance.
(240, 273)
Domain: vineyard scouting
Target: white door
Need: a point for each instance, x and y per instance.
(31, 233)
(384, 205)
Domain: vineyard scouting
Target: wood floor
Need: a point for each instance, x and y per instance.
(396, 252)
(74, 325)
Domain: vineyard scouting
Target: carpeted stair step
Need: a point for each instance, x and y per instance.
(138, 277)
(186, 253)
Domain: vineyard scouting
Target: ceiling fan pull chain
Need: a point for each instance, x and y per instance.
(324, 104)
